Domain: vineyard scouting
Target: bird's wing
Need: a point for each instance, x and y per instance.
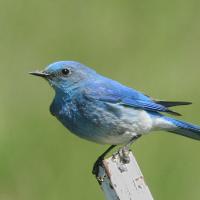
(172, 103)
(113, 92)
(147, 105)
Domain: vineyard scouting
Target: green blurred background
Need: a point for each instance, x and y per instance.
(153, 46)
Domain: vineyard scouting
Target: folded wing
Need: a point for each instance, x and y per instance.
(113, 92)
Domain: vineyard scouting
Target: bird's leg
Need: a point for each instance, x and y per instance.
(98, 162)
(124, 151)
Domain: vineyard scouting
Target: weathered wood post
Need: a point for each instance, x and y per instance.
(121, 181)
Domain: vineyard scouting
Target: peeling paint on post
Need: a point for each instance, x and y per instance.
(121, 181)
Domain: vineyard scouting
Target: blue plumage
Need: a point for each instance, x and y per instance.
(185, 128)
(104, 111)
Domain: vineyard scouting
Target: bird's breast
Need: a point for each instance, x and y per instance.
(101, 122)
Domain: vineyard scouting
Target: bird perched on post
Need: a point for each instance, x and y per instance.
(104, 111)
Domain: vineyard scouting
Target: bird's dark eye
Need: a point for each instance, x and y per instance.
(65, 71)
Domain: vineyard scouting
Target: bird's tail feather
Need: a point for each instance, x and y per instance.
(173, 103)
(185, 129)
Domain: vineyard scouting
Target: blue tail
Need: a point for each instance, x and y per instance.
(185, 129)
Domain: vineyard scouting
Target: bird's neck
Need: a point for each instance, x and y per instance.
(65, 96)
(65, 91)
(61, 102)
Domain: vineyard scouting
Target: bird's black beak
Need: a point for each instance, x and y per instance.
(41, 74)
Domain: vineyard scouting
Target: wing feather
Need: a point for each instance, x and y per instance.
(114, 92)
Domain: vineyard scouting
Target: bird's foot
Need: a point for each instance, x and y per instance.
(124, 151)
(99, 161)
(124, 154)
(121, 158)
(97, 164)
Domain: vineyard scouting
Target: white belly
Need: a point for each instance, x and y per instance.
(132, 122)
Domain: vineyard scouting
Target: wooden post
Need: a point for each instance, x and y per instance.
(121, 181)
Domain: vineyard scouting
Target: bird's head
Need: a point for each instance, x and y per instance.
(64, 74)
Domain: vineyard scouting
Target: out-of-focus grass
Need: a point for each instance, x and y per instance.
(152, 46)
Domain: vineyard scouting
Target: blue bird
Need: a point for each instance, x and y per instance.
(104, 111)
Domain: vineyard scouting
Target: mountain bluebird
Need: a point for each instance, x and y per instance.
(104, 111)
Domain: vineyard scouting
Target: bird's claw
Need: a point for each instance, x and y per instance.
(124, 155)
(95, 169)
